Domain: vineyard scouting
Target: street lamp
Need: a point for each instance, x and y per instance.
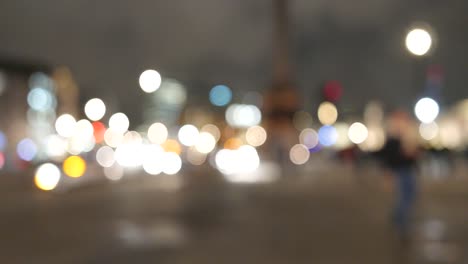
(418, 41)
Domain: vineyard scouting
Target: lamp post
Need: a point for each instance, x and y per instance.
(419, 43)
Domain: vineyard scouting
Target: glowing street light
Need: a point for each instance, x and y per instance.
(418, 41)
(426, 110)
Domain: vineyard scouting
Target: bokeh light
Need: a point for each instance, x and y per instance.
(309, 138)
(205, 143)
(3, 141)
(213, 130)
(40, 99)
(26, 149)
(47, 177)
(428, 131)
(172, 145)
(132, 137)
(113, 138)
(327, 136)
(105, 156)
(2, 160)
(157, 133)
(232, 143)
(194, 157)
(65, 125)
(238, 115)
(171, 163)
(95, 109)
(150, 81)
(114, 172)
(357, 133)
(243, 160)
(99, 129)
(56, 147)
(256, 136)
(327, 113)
(153, 160)
(299, 154)
(418, 41)
(342, 141)
(129, 155)
(188, 135)
(74, 166)
(220, 95)
(119, 122)
(426, 110)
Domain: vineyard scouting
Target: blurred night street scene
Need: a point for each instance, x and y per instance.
(268, 131)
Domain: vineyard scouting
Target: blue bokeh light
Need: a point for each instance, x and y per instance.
(327, 135)
(26, 149)
(40, 99)
(220, 95)
(3, 141)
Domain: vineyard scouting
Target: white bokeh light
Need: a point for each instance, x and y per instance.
(119, 122)
(188, 135)
(205, 143)
(426, 110)
(357, 133)
(157, 133)
(65, 125)
(95, 109)
(47, 176)
(105, 156)
(153, 160)
(171, 163)
(150, 81)
(418, 41)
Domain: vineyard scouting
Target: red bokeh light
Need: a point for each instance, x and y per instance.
(99, 129)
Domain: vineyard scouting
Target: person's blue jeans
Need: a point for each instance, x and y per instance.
(406, 188)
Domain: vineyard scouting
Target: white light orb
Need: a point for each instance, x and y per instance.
(205, 143)
(150, 81)
(47, 176)
(299, 154)
(418, 41)
(157, 133)
(426, 110)
(113, 138)
(119, 122)
(188, 135)
(114, 172)
(357, 133)
(65, 125)
(105, 156)
(428, 131)
(171, 163)
(256, 136)
(95, 109)
(153, 160)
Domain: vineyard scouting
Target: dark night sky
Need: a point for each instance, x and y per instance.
(108, 43)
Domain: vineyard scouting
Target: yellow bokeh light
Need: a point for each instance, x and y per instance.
(327, 113)
(172, 145)
(232, 143)
(74, 166)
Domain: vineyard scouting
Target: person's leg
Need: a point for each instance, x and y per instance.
(405, 200)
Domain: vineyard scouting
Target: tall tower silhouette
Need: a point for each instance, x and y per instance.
(282, 98)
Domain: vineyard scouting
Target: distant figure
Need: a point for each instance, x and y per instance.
(400, 154)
